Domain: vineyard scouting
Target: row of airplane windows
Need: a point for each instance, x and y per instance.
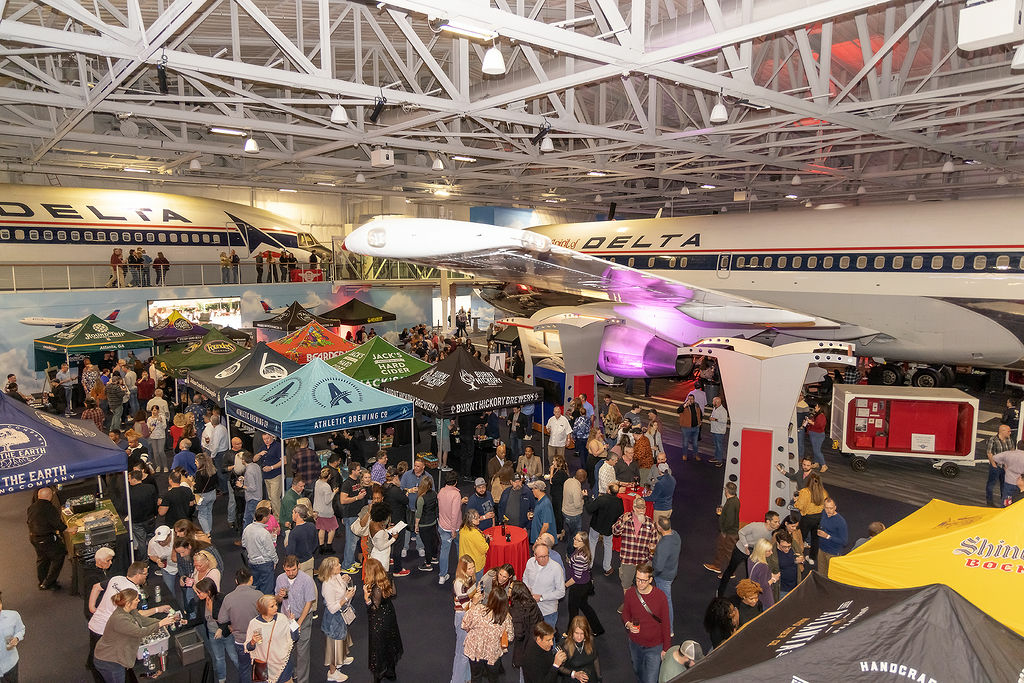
(880, 262)
(111, 236)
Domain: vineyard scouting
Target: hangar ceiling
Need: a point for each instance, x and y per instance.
(859, 100)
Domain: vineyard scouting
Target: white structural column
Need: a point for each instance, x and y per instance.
(762, 384)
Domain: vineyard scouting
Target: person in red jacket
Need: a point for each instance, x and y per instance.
(645, 615)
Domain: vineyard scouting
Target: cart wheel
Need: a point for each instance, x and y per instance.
(950, 470)
(858, 463)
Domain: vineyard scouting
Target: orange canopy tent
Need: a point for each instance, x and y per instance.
(312, 341)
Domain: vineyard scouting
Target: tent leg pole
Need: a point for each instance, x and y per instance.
(412, 438)
(99, 483)
(131, 528)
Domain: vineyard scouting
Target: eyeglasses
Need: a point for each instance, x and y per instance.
(643, 580)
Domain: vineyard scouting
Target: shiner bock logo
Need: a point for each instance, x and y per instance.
(981, 553)
(431, 379)
(19, 446)
(219, 348)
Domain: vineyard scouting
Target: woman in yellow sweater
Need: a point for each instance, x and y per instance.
(810, 501)
(472, 541)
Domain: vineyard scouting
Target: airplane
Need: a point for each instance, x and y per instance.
(937, 285)
(63, 322)
(272, 311)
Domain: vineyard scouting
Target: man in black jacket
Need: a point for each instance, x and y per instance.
(541, 664)
(515, 504)
(604, 511)
(45, 529)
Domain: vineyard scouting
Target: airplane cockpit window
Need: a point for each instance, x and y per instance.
(306, 239)
(980, 261)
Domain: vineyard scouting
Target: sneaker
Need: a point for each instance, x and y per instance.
(347, 661)
(426, 568)
(405, 552)
(337, 676)
(713, 569)
(442, 579)
(423, 553)
(404, 572)
(351, 570)
(357, 565)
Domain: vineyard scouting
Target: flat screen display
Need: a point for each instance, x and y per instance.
(215, 311)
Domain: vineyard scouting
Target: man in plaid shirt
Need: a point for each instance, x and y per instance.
(93, 413)
(637, 537)
(306, 463)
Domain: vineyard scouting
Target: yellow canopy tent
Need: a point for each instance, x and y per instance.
(979, 552)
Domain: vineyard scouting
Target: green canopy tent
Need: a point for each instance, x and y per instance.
(89, 335)
(376, 362)
(212, 350)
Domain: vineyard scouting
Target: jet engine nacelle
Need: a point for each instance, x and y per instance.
(629, 352)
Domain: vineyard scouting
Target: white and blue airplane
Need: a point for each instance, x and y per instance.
(63, 322)
(938, 284)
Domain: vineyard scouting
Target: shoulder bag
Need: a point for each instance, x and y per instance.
(260, 671)
(644, 603)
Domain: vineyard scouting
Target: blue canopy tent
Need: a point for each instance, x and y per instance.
(38, 449)
(316, 399)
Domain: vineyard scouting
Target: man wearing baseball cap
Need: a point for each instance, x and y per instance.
(543, 515)
(482, 502)
(679, 659)
(515, 504)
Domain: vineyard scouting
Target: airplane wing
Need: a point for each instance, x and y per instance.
(530, 258)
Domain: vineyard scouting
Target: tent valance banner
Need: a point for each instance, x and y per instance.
(293, 318)
(237, 336)
(356, 312)
(174, 329)
(461, 384)
(256, 368)
(39, 449)
(376, 362)
(212, 350)
(827, 631)
(89, 335)
(315, 399)
(312, 341)
(978, 551)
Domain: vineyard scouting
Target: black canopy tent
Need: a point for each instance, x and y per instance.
(262, 365)
(295, 317)
(356, 312)
(829, 631)
(237, 336)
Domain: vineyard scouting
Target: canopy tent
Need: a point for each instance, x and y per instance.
(461, 384)
(293, 318)
(827, 631)
(212, 350)
(254, 369)
(977, 551)
(312, 341)
(237, 336)
(175, 329)
(89, 335)
(508, 334)
(356, 312)
(315, 399)
(376, 362)
(39, 449)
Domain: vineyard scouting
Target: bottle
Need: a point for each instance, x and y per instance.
(156, 593)
(88, 537)
(143, 600)
(147, 661)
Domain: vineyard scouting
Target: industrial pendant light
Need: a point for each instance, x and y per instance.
(251, 146)
(494, 62)
(339, 115)
(719, 114)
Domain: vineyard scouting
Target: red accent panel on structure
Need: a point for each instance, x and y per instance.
(584, 384)
(755, 475)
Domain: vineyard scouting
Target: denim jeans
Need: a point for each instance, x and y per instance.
(232, 507)
(112, 672)
(244, 663)
(720, 446)
(690, 441)
(250, 510)
(996, 484)
(817, 438)
(447, 538)
(222, 649)
(607, 542)
(171, 581)
(551, 619)
(263, 577)
(133, 401)
(417, 542)
(351, 541)
(115, 415)
(460, 667)
(571, 525)
(665, 586)
(1009, 490)
(646, 662)
(204, 511)
(515, 447)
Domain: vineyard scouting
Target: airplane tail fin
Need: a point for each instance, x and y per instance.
(113, 315)
(266, 307)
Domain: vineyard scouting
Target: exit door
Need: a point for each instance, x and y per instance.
(724, 263)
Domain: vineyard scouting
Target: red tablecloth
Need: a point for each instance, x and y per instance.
(627, 494)
(501, 551)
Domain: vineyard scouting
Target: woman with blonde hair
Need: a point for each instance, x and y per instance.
(810, 501)
(466, 593)
(338, 593)
(597, 449)
(326, 521)
(486, 624)
(269, 640)
(385, 640)
(760, 573)
(205, 567)
(126, 628)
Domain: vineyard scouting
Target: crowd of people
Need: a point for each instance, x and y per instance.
(287, 507)
(140, 269)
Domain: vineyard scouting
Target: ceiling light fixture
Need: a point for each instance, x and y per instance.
(724, 209)
(286, 189)
(360, 178)
(137, 170)
(861, 189)
(339, 115)
(796, 180)
(324, 182)
(251, 146)
(684, 190)
(494, 61)
(1018, 59)
(441, 192)
(597, 199)
(596, 174)
(378, 108)
(792, 196)
(708, 186)
(1002, 180)
(195, 165)
(948, 166)
(541, 133)
(911, 197)
(463, 157)
(438, 165)
(719, 114)
(469, 30)
(809, 204)
(546, 145)
(219, 130)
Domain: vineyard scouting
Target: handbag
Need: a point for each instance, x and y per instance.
(570, 442)
(260, 670)
(348, 614)
(504, 639)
